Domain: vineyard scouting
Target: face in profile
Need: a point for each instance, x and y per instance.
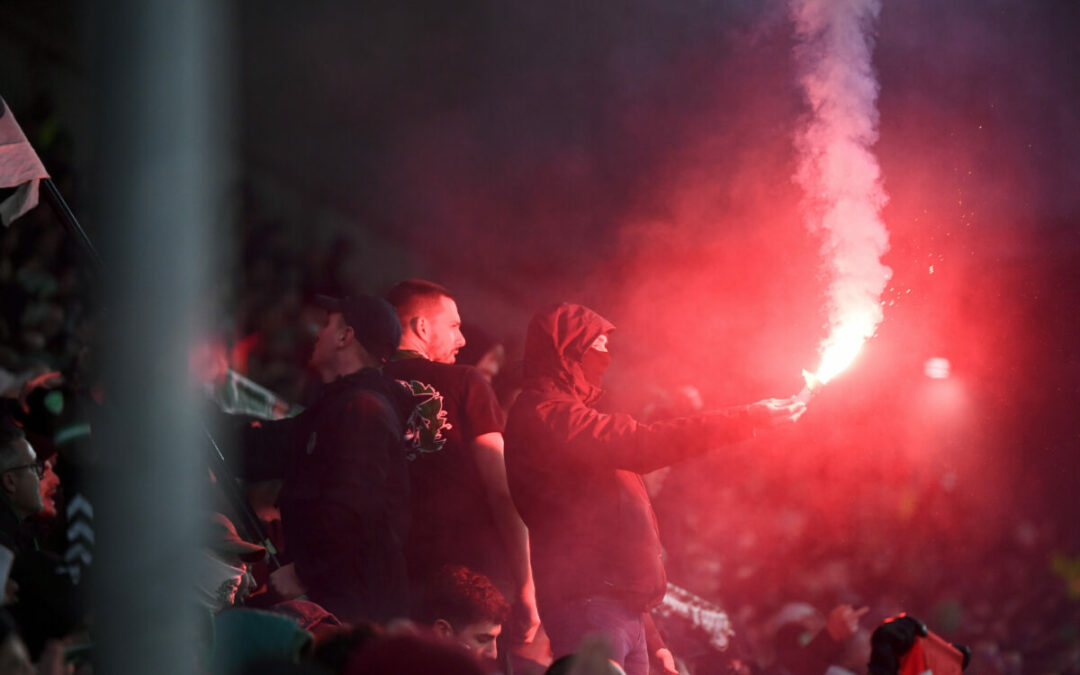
(22, 482)
(49, 484)
(480, 638)
(444, 331)
(325, 347)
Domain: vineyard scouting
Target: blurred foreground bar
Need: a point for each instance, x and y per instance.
(159, 70)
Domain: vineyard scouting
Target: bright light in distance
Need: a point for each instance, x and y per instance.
(937, 368)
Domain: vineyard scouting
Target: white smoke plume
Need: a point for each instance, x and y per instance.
(837, 169)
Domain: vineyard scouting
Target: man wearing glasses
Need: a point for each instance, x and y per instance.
(45, 604)
(20, 487)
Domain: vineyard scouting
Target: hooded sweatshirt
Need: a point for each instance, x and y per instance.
(345, 501)
(574, 471)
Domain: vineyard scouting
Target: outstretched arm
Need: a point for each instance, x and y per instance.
(589, 437)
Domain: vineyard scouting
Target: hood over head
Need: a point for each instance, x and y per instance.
(556, 339)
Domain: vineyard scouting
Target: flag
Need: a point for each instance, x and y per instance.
(19, 167)
(238, 395)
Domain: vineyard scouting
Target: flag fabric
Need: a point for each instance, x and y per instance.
(19, 167)
(237, 395)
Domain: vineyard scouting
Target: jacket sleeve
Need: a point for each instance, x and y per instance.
(594, 439)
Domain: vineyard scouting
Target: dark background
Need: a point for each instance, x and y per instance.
(637, 156)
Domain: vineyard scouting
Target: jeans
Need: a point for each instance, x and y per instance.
(567, 623)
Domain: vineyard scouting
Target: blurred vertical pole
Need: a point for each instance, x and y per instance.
(159, 70)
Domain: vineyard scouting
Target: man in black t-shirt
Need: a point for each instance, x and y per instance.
(461, 505)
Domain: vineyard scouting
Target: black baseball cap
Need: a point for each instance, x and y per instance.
(373, 320)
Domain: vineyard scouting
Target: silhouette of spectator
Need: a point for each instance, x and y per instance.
(47, 605)
(344, 503)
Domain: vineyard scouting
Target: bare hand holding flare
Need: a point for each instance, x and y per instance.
(774, 412)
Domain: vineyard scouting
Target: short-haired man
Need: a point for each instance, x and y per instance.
(20, 485)
(47, 605)
(430, 323)
(344, 502)
(463, 606)
(575, 476)
(462, 510)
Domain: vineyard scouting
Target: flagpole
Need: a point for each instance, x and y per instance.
(64, 212)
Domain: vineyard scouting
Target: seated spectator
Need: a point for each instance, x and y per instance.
(20, 488)
(224, 579)
(50, 483)
(463, 606)
(46, 605)
(411, 655)
(805, 642)
(243, 637)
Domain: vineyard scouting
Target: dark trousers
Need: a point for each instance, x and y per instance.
(624, 630)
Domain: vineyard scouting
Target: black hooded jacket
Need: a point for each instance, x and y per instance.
(574, 472)
(345, 500)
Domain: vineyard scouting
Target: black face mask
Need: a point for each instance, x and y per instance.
(594, 363)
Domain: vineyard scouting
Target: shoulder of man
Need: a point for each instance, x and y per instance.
(371, 384)
(358, 401)
(434, 369)
(531, 401)
(459, 385)
(369, 400)
(535, 411)
(568, 417)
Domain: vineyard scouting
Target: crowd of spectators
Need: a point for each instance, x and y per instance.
(775, 542)
(775, 548)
